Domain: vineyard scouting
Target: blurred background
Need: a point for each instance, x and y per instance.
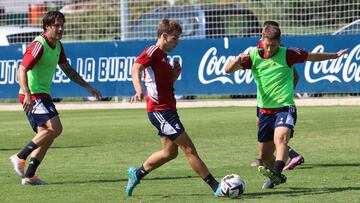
(105, 20)
(117, 21)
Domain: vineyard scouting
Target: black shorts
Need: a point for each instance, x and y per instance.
(167, 122)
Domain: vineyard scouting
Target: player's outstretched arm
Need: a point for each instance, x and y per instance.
(74, 76)
(135, 74)
(234, 64)
(325, 56)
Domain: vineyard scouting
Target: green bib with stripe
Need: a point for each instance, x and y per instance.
(274, 79)
(41, 75)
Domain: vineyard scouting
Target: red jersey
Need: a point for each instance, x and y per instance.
(293, 56)
(158, 78)
(34, 52)
(31, 56)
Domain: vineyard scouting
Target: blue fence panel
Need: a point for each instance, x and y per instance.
(340, 75)
(10, 59)
(107, 66)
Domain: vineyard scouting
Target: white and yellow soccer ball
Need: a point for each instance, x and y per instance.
(232, 185)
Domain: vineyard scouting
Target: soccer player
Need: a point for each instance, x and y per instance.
(35, 75)
(295, 158)
(159, 77)
(272, 69)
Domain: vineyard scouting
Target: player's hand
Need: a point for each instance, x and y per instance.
(241, 58)
(28, 103)
(177, 68)
(341, 52)
(95, 92)
(138, 97)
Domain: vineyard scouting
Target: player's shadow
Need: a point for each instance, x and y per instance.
(69, 147)
(9, 149)
(178, 195)
(120, 180)
(54, 147)
(171, 178)
(88, 181)
(310, 166)
(298, 192)
(258, 195)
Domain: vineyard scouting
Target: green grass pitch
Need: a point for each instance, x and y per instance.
(88, 162)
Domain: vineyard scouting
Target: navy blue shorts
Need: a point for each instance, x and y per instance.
(167, 122)
(268, 122)
(43, 110)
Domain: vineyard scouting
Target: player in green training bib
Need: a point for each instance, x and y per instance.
(272, 69)
(295, 158)
(35, 76)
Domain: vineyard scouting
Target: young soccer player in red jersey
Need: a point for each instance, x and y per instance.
(159, 77)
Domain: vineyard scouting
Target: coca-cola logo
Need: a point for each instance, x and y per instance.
(212, 69)
(344, 68)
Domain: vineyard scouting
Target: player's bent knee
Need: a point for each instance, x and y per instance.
(171, 155)
(190, 151)
(57, 132)
(54, 132)
(281, 140)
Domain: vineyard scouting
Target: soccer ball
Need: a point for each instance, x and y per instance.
(232, 185)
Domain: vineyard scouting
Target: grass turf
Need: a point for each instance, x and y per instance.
(88, 162)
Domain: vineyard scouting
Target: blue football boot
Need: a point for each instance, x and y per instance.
(218, 192)
(132, 181)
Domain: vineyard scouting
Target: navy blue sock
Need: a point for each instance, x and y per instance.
(24, 153)
(210, 180)
(140, 173)
(33, 164)
(278, 166)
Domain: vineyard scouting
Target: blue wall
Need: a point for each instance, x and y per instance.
(107, 66)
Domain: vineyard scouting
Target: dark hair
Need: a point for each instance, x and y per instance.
(168, 26)
(271, 32)
(271, 22)
(50, 18)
